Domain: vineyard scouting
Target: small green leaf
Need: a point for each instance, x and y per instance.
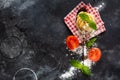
(91, 42)
(84, 16)
(76, 64)
(86, 70)
(92, 24)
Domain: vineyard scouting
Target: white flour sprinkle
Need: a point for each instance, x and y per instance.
(6, 3)
(87, 62)
(100, 6)
(68, 74)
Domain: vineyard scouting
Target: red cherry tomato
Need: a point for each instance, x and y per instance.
(72, 42)
(94, 54)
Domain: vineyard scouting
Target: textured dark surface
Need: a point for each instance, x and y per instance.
(32, 34)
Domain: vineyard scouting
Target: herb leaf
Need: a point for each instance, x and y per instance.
(84, 69)
(92, 24)
(76, 64)
(91, 42)
(86, 18)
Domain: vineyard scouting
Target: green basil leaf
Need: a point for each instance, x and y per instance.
(76, 64)
(92, 24)
(86, 70)
(91, 42)
(84, 16)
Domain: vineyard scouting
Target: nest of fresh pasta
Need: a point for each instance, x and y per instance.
(85, 22)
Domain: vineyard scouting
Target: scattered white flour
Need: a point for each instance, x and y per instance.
(68, 74)
(26, 4)
(6, 3)
(80, 50)
(17, 5)
(100, 6)
(88, 63)
(71, 72)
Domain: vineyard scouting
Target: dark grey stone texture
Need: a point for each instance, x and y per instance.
(32, 35)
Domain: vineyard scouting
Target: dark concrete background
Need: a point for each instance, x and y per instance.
(32, 34)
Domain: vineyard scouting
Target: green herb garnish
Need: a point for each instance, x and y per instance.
(84, 69)
(92, 24)
(86, 18)
(76, 64)
(91, 42)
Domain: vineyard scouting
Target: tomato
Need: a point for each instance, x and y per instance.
(72, 42)
(94, 54)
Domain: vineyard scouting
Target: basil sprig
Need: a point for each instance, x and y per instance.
(86, 18)
(84, 69)
(91, 42)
